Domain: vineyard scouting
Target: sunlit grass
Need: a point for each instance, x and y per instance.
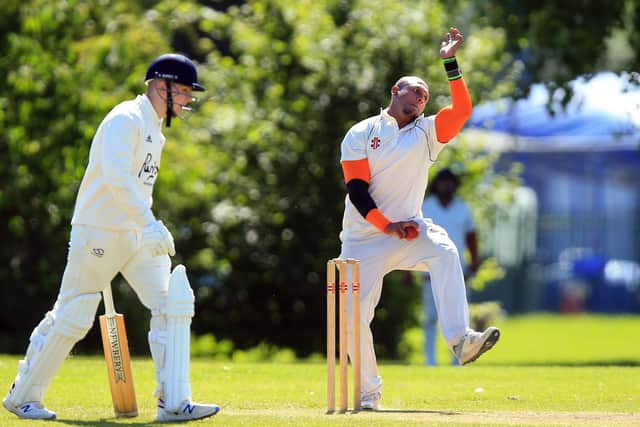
(544, 371)
(269, 394)
(548, 339)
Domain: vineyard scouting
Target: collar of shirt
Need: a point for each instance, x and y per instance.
(148, 110)
(388, 120)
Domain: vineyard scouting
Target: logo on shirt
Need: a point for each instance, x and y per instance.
(148, 139)
(375, 142)
(99, 252)
(149, 169)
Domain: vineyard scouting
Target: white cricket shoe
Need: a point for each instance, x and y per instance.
(371, 401)
(29, 410)
(473, 344)
(189, 411)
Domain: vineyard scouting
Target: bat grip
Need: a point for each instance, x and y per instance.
(107, 297)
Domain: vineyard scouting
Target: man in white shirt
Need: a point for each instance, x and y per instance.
(115, 231)
(450, 212)
(385, 162)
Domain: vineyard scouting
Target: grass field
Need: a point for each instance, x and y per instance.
(548, 339)
(509, 386)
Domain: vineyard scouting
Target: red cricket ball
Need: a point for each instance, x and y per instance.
(411, 233)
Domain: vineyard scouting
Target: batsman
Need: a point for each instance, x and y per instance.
(113, 230)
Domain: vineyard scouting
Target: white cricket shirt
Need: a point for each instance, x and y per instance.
(124, 160)
(399, 161)
(455, 218)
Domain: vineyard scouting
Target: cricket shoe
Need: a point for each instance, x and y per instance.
(473, 344)
(188, 411)
(371, 401)
(29, 410)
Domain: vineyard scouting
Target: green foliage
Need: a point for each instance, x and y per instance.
(251, 185)
(489, 271)
(557, 41)
(207, 346)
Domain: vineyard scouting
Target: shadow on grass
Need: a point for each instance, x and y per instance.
(102, 422)
(577, 364)
(550, 363)
(396, 411)
(415, 411)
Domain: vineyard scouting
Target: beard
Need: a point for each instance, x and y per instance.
(410, 113)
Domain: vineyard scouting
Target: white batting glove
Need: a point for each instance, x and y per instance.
(158, 239)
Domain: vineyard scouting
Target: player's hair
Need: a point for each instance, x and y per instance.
(444, 173)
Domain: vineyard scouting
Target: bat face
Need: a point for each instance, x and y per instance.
(116, 353)
(115, 348)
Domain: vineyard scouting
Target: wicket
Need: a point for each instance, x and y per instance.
(342, 266)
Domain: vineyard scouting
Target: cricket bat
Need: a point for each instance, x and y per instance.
(116, 354)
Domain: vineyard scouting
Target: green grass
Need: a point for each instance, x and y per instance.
(264, 394)
(508, 386)
(548, 339)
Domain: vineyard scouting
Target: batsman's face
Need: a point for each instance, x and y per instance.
(411, 94)
(182, 97)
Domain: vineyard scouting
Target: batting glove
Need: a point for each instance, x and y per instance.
(158, 239)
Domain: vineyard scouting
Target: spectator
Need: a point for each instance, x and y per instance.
(450, 212)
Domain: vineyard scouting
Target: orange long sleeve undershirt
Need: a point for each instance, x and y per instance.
(450, 119)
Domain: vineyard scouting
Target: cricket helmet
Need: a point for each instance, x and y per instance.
(176, 68)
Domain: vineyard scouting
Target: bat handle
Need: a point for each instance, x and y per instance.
(109, 308)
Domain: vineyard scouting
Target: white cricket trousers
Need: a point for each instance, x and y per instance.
(95, 257)
(380, 254)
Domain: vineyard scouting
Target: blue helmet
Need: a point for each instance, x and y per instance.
(175, 67)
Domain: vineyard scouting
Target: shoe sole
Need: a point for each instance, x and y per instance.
(487, 345)
(369, 408)
(178, 420)
(210, 415)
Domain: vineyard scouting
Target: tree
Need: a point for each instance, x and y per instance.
(556, 42)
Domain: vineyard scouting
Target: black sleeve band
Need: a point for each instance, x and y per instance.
(452, 69)
(360, 197)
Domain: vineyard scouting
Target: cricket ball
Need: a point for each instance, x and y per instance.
(411, 233)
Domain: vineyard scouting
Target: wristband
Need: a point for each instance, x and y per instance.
(452, 69)
(375, 217)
